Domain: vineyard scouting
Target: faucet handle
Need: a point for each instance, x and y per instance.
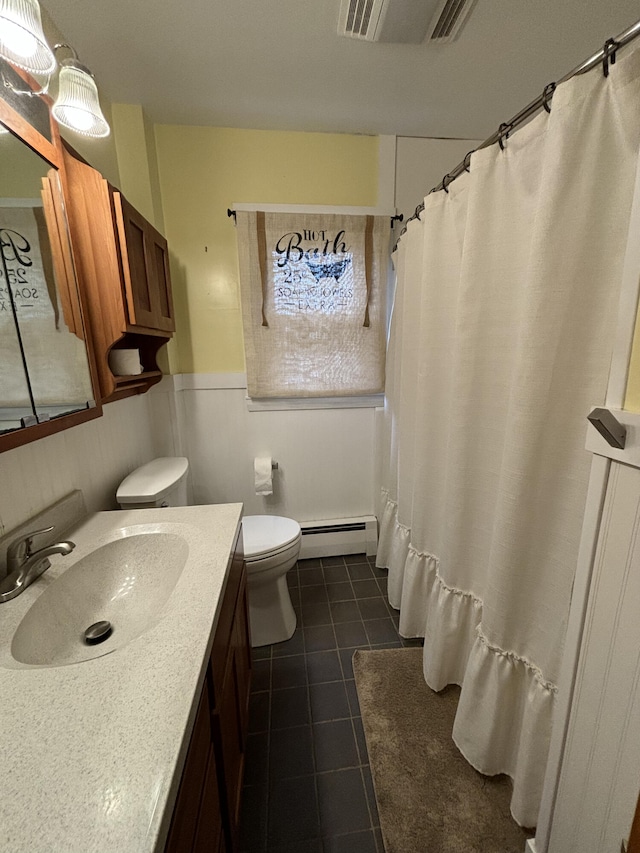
(28, 539)
(20, 549)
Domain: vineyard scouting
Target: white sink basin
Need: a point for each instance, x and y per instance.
(126, 582)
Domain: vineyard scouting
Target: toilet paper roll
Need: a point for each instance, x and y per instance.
(263, 472)
(125, 362)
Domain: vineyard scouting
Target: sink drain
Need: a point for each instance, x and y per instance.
(98, 632)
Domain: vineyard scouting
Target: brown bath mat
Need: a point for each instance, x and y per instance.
(430, 799)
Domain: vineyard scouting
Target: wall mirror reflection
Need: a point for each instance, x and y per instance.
(44, 370)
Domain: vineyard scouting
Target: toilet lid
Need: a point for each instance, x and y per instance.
(263, 534)
(152, 481)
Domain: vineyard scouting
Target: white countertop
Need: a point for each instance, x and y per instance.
(89, 751)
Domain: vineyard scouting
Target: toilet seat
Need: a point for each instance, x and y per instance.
(268, 535)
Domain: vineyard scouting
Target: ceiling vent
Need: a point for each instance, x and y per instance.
(403, 21)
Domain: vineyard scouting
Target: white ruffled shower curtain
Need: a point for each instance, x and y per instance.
(500, 344)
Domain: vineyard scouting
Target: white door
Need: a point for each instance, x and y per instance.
(600, 773)
(593, 773)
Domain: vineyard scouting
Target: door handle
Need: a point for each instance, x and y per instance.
(609, 427)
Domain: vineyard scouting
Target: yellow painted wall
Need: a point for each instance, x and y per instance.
(632, 399)
(203, 171)
(137, 163)
(154, 175)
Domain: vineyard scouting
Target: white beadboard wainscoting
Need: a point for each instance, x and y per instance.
(94, 457)
(325, 456)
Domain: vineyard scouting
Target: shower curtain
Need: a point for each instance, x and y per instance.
(500, 344)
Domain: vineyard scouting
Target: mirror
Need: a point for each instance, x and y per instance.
(15, 405)
(45, 372)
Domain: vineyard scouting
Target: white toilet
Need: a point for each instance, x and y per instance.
(271, 545)
(271, 548)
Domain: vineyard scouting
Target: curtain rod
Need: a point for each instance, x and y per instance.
(396, 218)
(606, 55)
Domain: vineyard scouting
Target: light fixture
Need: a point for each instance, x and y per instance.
(22, 43)
(77, 105)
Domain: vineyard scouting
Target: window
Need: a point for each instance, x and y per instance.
(313, 303)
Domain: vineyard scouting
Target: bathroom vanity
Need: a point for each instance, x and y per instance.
(207, 810)
(136, 746)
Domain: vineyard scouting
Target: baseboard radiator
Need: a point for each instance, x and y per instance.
(337, 536)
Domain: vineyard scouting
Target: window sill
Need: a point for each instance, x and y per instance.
(276, 404)
(238, 382)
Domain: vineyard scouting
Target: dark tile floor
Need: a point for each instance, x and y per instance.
(308, 785)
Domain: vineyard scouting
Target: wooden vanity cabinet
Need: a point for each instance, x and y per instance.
(207, 810)
(123, 266)
(231, 673)
(197, 811)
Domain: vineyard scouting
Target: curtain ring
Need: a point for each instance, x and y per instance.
(467, 160)
(547, 94)
(503, 133)
(609, 55)
(445, 183)
(418, 211)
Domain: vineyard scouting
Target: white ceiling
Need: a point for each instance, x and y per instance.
(279, 64)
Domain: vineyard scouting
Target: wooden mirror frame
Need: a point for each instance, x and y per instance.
(51, 151)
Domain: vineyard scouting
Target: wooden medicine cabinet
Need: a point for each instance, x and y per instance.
(48, 377)
(124, 266)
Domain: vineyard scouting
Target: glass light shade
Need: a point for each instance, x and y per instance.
(77, 106)
(22, 41)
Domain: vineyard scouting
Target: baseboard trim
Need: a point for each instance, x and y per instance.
(338, 536)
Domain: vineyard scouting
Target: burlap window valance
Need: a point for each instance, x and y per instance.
(313, 303)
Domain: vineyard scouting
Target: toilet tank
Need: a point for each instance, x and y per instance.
(161, 482)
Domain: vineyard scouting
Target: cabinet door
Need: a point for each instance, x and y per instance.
(231, 746)
(145, 269)
(232, 712)
(209, 835)
(242, 644)
(160, 280)
(185, 815)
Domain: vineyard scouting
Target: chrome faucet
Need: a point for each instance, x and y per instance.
(24, 565)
